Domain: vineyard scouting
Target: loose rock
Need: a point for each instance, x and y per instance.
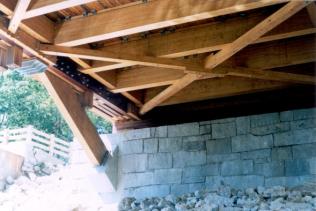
(229, 199)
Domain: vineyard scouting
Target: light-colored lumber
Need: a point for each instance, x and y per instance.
(311, 9)
(146, 17)
(108, 79)
(253, 34)
(258, 58)
(69, 105)
(40, 28)
(212, 37)
(216, 88)
(111, 57)
(25, 41)
(146, 77)
(14, 57)
(101, 114)
(212, 61)
(18, 14)
(171, 90)
(103, 68)
(267, 75)
(206, 38)
(41, 7)
(278, 54)
(81, 62)
(130, 59)
(134, 98)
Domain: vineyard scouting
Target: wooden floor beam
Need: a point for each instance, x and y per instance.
(18, 14)
(40, 28)
(146, 17)
(212, 61)
(253, 34)
(41, 7)
(256, 58)
(216, 88)
(112, 57)
(213, 36)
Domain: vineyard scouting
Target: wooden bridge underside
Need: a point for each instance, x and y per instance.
(149, 63)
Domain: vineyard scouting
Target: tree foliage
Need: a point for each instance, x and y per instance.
(24, 101)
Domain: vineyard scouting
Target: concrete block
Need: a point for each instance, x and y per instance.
(148, 191)
(104, 178)
(264, 119)
(223, 130)
(205, 137)
(286, 116)
(261, 153)
(243, 125)
(133, 163)
(182, 159)
(215, 121)
(131, 147)
(272, 169)
(229, 168)
(167, 176)
(281, 153)
(295, 137)
(304, 151)
(303, 124)
(159, 161)
(221, 146)
(205, 122)
(283, 181)
(222, 157)
(213, 182)
(312, 165)
(268, 129)
(132, 134)
(205, 129)
(151, 145)
(304, 113)
(193, 174)
(194, 145)
(180, 189)
(250, 142)
(211, 169)
(189, 129)
(297, 167)
(262, 160)
(170, 144)
(242, 182)
(308, 179)
(159, 132)
(138, 179)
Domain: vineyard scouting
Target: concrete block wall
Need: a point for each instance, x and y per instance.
(258, 150)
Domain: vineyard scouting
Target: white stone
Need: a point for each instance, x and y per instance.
(219, 200)
(277, 204)
(171, 198)
(2, 185)
(9, 180)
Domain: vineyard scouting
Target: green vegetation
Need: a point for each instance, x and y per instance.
(24, 101)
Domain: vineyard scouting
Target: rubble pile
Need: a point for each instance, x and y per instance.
(49, 187)
(226, 198)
